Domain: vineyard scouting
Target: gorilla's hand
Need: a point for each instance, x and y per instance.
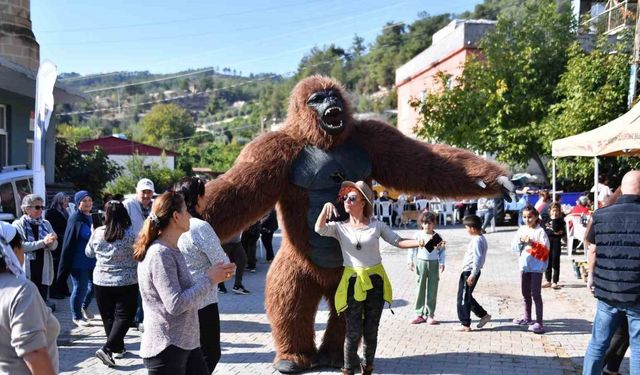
(508, 189)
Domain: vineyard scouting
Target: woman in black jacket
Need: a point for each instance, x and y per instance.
(73, 260)
(57, 215)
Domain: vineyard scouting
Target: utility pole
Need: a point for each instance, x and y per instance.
(633, 79)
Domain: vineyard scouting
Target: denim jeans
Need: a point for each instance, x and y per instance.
(608, 318)
(82, 292)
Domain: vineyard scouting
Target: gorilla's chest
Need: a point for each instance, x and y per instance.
(321, 172)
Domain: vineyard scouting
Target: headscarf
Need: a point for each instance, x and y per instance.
(8, 233)
(57, 204)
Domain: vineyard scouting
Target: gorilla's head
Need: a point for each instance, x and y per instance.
(328, 107)
(319, 112)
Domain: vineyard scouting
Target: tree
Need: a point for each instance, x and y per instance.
(163, 178)
(89, 172)
(591, 92)
(165, 125)
(421, 32)
(73, 134)
(501, 99)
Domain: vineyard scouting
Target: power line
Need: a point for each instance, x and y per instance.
(229, 14)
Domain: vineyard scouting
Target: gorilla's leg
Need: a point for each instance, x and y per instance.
(331, 352)
(291, 299)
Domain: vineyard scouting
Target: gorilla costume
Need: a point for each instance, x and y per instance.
(301, 167)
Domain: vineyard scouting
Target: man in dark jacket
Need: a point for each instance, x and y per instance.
(269, 224)
(614, 277)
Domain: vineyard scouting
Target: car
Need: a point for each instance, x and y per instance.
(15, 183)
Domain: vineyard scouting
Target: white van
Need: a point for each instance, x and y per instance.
(15, 183)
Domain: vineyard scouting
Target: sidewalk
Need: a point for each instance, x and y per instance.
(499, 348)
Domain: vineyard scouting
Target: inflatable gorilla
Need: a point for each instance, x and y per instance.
(301, 167)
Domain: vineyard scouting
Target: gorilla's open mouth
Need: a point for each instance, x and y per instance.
(332, 120)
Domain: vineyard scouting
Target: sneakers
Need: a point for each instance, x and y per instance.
(432, 321)
(251, 269)
(536, 328)
(462, 328)
(546, 285)
(484, 320)
(555, 286)
(85, 314)
(105, 356)
(522, 321)
(239, 289)
(120, 354)
(222, 289)
(418, 320)
(81, 322)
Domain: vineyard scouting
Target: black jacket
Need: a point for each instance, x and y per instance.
(615, 230)
(59, 224)
(71, 234)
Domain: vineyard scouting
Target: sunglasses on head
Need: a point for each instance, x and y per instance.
(38, 207)
(350, 198)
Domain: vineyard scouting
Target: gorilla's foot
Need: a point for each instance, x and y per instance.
(293, 363)
(333, 359)
(290, 367)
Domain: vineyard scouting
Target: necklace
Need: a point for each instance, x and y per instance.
(355, 234)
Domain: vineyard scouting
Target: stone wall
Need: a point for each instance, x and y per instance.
(17, 41)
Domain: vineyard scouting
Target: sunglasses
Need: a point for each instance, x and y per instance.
(38, 207)
(350, 198)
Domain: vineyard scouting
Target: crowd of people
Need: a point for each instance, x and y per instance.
(154, 264)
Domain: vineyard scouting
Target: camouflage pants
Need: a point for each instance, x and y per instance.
(363, 319)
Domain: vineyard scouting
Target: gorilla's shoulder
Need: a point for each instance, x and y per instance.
(368, 128)
(273, 144)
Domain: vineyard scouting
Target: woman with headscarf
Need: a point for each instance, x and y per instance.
(28, 329)
(73, 260)
(57, 215)
(39, 240)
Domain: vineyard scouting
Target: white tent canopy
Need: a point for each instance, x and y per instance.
(619, 137)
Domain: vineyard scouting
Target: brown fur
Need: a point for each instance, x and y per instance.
(260, 179)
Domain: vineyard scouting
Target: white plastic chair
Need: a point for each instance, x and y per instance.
(435, 207)
(575, 231)
(448, 211)
(399, 208)
(384, 212)
(422, 204)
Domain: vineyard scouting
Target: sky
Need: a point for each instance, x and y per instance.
(250, 36)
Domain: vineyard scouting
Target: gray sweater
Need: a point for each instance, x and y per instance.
(170, 298)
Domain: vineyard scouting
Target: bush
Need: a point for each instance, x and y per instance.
(163, 178)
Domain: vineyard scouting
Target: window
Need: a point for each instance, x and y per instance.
(7, 199)
(23, 187)
(4, 149)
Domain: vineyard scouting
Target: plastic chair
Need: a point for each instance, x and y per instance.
(448, 211)
(435, 207)
(384, 212)
(575, 231)
(422, 204)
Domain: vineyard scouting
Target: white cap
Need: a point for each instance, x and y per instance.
(7, 231)
(145, 184)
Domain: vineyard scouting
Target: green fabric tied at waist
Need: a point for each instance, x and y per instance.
(361, 286)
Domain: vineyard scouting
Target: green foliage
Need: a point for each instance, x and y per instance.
(218, 156)
(592, 91)
(73, 166)
(500, 101)
(166, 125)
(73, 134)
(163, 178)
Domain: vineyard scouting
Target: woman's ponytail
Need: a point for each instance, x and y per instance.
(161, 213)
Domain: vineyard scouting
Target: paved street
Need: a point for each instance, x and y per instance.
(500, 348)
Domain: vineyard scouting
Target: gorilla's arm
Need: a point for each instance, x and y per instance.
(408, 165)
(252, 186)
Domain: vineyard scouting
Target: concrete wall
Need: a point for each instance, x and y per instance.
(17, 41)
(452, 45)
